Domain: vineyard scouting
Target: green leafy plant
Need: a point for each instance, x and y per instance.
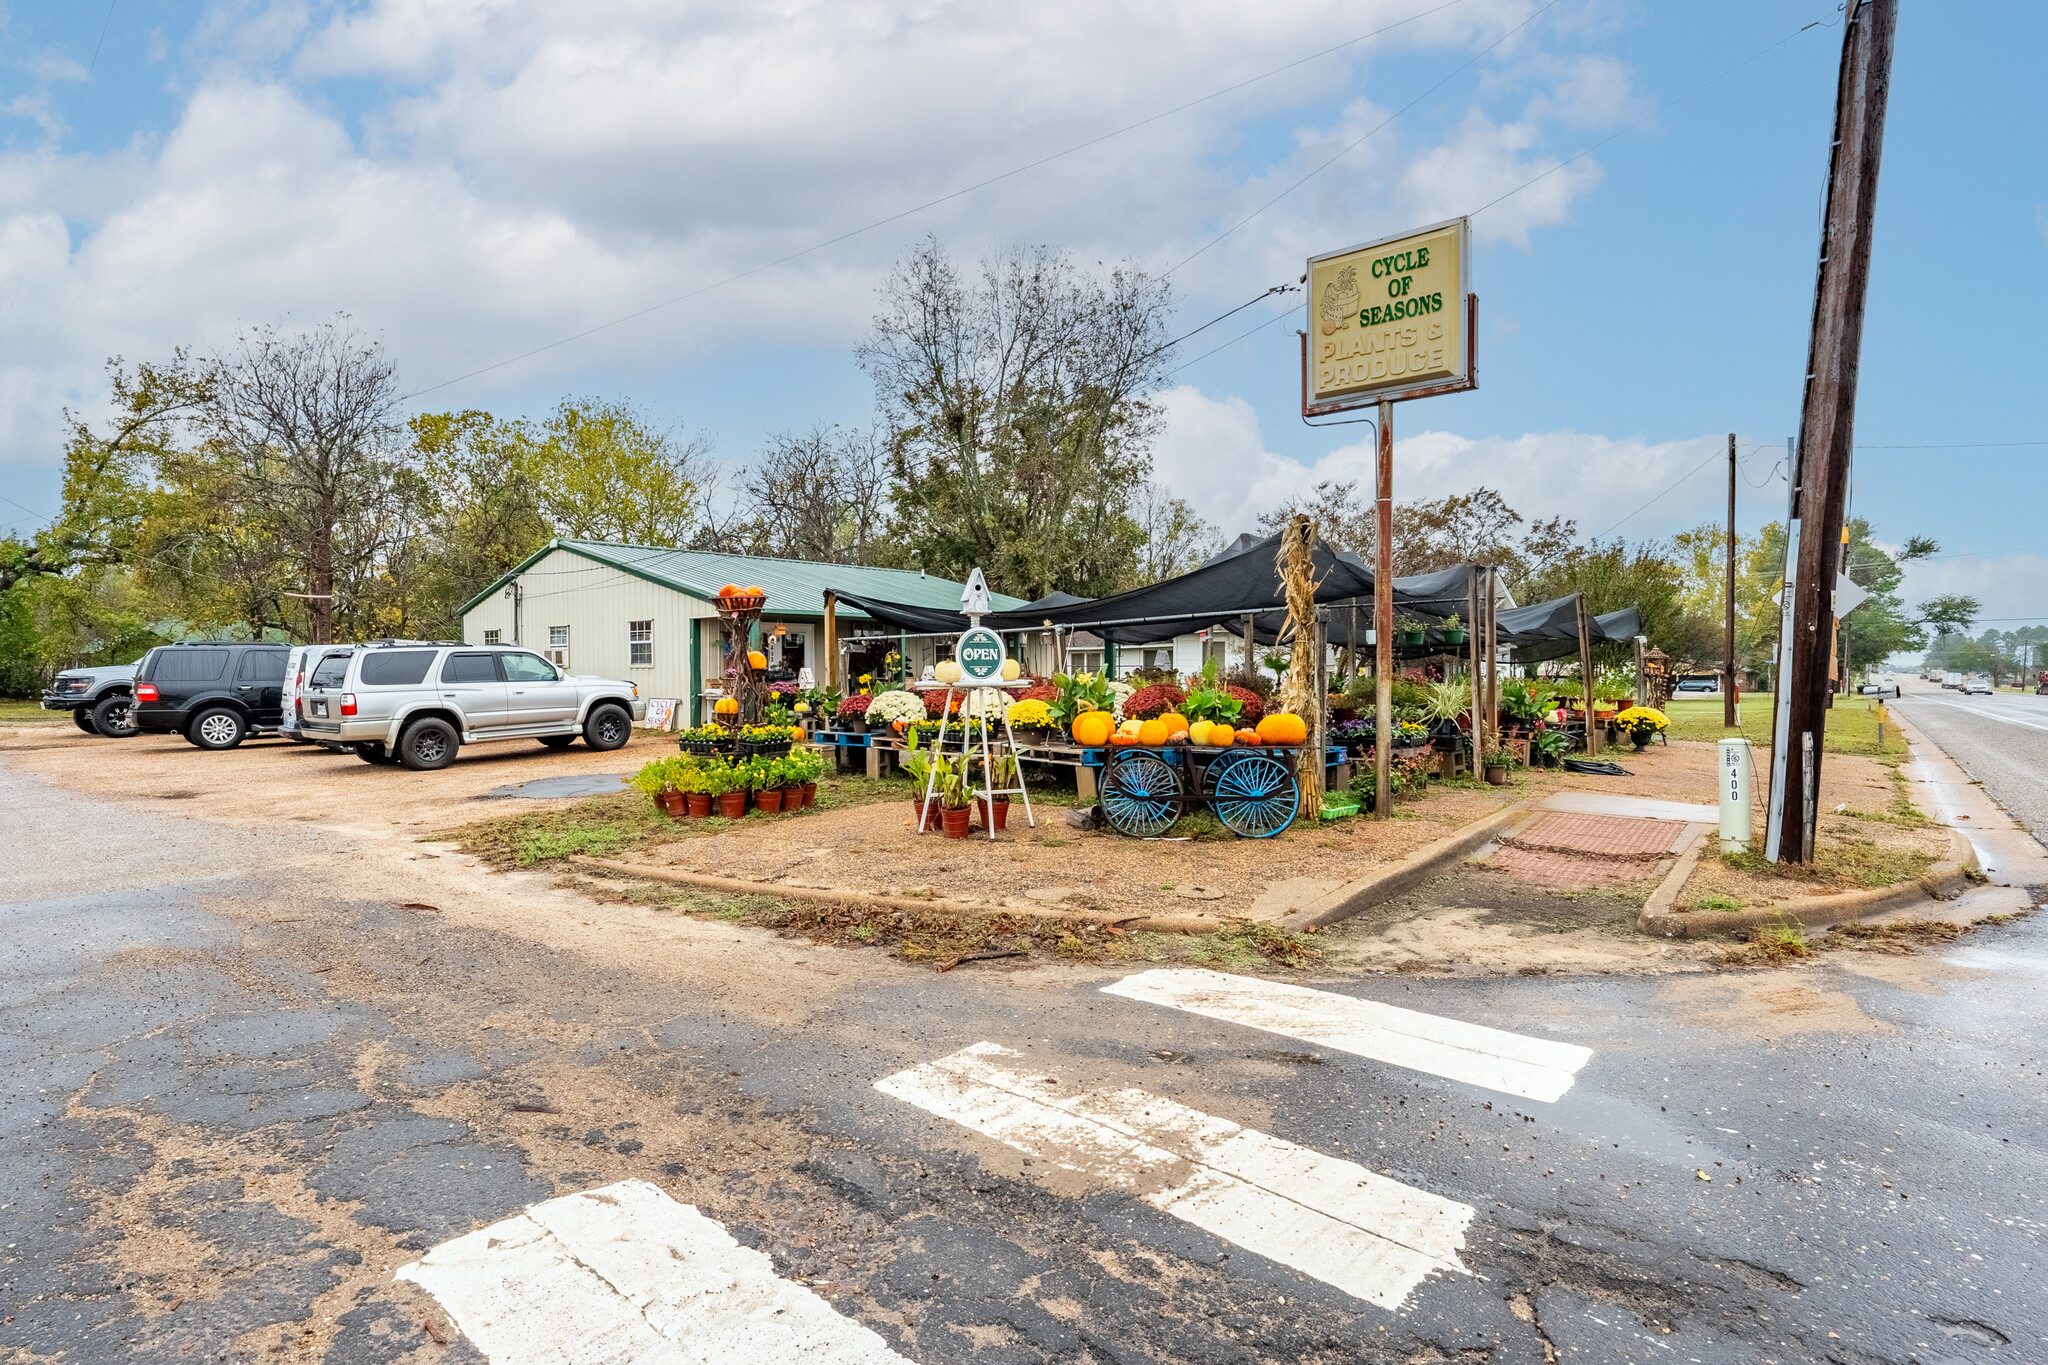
(1551, 743)
(1080, 692)
(951, 779)
(1519, 703)
(1452, 622)
(1449, 699)
(1207, 699)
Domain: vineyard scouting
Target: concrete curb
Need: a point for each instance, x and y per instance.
(1363, 893)
(1170, 924)
(1941, 882)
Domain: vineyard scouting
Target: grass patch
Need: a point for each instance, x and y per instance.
(1255, 944)
(20, 711)
(1840, 862)
(1895, 937)
(1720, 903)
(1851, 725)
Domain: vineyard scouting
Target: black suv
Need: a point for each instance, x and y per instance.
(216, 696)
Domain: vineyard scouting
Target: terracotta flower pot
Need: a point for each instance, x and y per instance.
(930, 814)
(768, 801)
(810, 790)
(700, 803)
(732, 805)
(671, 802)
(998, 813)
(957, 821)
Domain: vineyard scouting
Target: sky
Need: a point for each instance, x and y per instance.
(691, 206)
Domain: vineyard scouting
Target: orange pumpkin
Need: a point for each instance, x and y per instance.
(1176, 723)
(1247, 736)
(1153, 732)
(1092, 728)
(757, 661)
(1221, 736)
(754, 590)
(729, 590)
(1282, 728)
(726, 706)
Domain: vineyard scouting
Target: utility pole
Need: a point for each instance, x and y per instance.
(1827, 423)
(1383, 619)
(1728, 718)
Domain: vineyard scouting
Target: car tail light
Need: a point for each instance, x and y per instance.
(348, 703)
(298, 695)
(145, 692)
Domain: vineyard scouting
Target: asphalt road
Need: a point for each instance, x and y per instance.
(242, 1091)
(2000, 740)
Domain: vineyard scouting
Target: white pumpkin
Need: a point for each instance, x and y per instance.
(1012, 670)
(947, 672)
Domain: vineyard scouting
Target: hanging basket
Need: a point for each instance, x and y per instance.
(740, 604)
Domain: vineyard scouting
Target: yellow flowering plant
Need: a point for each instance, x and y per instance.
(1642, 720)
(1030, 713)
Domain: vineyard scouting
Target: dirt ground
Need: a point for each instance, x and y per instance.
(1474, 919)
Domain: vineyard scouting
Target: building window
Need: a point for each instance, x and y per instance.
(639, 644)
(558, 647)
(494, 637)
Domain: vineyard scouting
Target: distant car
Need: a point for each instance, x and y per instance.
(299, 665)
(416, 704)
(1976, 685)
(97, 698)
(1695, 687)
(215, 695)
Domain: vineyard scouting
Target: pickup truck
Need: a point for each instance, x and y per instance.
(97, 698)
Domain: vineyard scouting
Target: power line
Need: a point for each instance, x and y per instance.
(944, 198)
(103, 39)
(1352, 146)
(1961, 445)
(1285, 312)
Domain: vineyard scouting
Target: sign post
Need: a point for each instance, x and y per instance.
(1389, 320)
(982, 656)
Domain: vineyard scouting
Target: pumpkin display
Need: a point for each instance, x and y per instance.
(1130, 732)
(1221, 736)
(757, 661)
(729, 590)
(1198, 733)
(726, 706)
(1153, 732)
(753, 590)
(1283, 728)
(1092, 728)
(947, 671)
(1176, 724)
(1247, 736)
(1012, 670)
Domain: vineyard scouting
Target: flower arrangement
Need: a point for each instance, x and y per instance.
(1641, 722)
(853, 705)
(986, 703)
(936, 701)
(1156, 700)
(890, 707)
(782, 691)
(1032, 712)
(772, 733)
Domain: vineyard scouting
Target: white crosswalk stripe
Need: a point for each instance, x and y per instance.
(625, 1275)
(1370, 1236)
(1533, 1068)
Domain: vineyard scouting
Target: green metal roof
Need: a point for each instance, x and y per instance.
(795, 587)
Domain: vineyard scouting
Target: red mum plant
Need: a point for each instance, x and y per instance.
(853, 704)
(1039, 691)
(1254, 706)
(1156, 700)
(935, 703)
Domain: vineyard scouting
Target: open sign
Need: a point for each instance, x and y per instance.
(980, 653)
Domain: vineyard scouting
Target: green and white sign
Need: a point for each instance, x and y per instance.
(981, 654)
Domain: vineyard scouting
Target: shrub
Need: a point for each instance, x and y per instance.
(1254, 705)
(1249, 680)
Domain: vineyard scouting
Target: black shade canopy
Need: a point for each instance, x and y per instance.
(1550, 630)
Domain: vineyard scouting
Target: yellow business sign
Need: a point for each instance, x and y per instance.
(1388, 316)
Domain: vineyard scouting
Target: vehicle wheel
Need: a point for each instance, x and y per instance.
(607, 728)
(427, 745)
(558, 741)
(111, 717)
(82, 717)
(375, 753)
(217, 728)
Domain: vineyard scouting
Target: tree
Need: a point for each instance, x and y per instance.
(1176, 539)
(1019, 416)
(819, 495)
(1951, 613)
(600, 470)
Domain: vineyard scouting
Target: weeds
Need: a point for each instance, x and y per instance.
(1895, 936)
(1720, 903)
(1851, 862)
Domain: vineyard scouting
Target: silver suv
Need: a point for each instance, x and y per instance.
(413, 703)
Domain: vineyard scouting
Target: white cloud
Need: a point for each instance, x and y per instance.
(2008, 586)
(1213, 454)
(1484, 160)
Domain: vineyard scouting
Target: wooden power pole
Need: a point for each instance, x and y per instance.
(1827, 423)
(1728, 673)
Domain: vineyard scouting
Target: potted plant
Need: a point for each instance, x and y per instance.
(1498, 764)
(1453, 630)
(658, 780)
(730, 792)
(1641, 724)
(805, 767)
(1000, 771)
(1410, 633)
(1548, 746)
(852, 711)
(695, 785)
(1446, 701)
(955, 803)
(1030, 720)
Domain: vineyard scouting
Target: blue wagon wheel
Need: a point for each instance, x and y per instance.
(1140, 793)
(1255, 796)
(1218, 766)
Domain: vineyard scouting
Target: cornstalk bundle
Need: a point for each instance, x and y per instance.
(1298, 691)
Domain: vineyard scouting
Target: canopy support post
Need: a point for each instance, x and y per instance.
(1472, 637)
(832, 642)
(1588, 679)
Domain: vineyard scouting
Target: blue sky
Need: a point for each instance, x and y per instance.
(470, 182)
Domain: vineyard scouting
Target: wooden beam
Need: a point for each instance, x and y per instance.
(832, 642)
(1472, 634)
(1588, 679)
